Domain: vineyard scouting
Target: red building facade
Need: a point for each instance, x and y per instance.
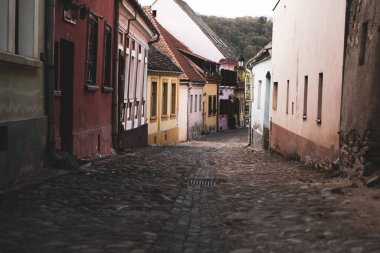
(84, 35)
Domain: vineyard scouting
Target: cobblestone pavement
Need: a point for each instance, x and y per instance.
(210, 195)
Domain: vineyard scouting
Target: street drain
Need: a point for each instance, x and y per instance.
(202, 182)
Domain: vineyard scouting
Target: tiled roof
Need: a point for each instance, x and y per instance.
(219, 44)
(170, 46)
(261, 55)
(157, 61)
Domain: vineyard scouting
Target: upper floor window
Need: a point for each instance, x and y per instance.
(19, 27)
(107, 56)
(92, 49)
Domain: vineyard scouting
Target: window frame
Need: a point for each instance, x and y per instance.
(107, 56)
(92, 21)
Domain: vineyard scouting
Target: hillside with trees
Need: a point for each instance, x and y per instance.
(243, 35)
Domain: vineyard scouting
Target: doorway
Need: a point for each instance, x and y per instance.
(66, 80)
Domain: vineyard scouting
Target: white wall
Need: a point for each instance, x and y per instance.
(177, 22)
(182, 112)
(195, 117)
(308, 39)
(260, 71)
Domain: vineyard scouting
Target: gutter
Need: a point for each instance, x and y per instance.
(49, 75)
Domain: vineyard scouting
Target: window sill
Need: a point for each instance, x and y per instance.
(107, 89)
(153, 119)
(173, 115)
(304, 117)
(19, 60)
(92, 88)
(57, 93)
(164, 117)
(318, 120)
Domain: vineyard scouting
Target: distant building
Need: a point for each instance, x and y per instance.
(307, 60)
(23, 120)
(261, 68)
(162, 98)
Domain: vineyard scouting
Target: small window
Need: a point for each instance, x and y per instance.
(191, 103)
(107, 56)
(196, 100)
(200, 103)
(92, 49)
(174, 99)
(363, 43)
(127, 41)
(275, 94)
(287, 97)
(165, 99)
(259, 95)
(210, 111)
(320, 93)
(154, 100)
(305, 91)
(120, 38)
(133, 45)
(214, 105)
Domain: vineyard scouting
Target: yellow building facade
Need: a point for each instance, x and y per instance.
(162, 108)
(210, 107)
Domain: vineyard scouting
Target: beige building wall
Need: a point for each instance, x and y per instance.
(308, 40)
(210, 118)
(163, 129)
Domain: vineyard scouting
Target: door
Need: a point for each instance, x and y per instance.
(266, 111)
(66, 80)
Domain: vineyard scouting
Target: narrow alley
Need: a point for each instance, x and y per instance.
(210, 195)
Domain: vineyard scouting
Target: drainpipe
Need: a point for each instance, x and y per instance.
(115, 102)
(49, 74)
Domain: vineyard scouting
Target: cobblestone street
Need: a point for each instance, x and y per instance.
(210, 195)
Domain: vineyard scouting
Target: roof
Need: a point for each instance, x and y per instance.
(157, 61)
(260, 56)
(219, 44)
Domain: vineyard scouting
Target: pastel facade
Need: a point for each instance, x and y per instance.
(163, 99)
(134, 39)
(261, 68)
(210, 107)
(308, 46)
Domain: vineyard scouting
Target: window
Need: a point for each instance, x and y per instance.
(209, 105)
(287, 97)
(191, 103)
(107, 56)
(153, 110)
(275, 94)
(195, 104)
(92, 49)
(305, 91)
(200, 102)
(214, 105)
(363, 43)
(174, 99)
(259, 95)
(19, 27)
(165, 99)
(320, 92)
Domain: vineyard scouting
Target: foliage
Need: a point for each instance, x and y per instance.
(243, 35)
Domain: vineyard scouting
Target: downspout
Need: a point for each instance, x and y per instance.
(49, 75)
(115, 102)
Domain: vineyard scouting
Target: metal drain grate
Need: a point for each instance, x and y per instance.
(203, 182)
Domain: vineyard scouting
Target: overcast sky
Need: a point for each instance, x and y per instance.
(225, 8)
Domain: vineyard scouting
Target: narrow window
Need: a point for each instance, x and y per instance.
(137, 109)
(56, 67)
(120, 38)
(305, 91)
(209, 105)
(275, 94)
(320, 92)
(287, 97)
(292, 108)
(196, 102)
(92, 49)
(154, 100)
(165, 99)
(214, 105)
(107, 56)
(200, 103)
(363, 43)
(191, 103)
(259, 95)
(174, 99)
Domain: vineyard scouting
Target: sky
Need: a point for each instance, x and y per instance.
(227, 8)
